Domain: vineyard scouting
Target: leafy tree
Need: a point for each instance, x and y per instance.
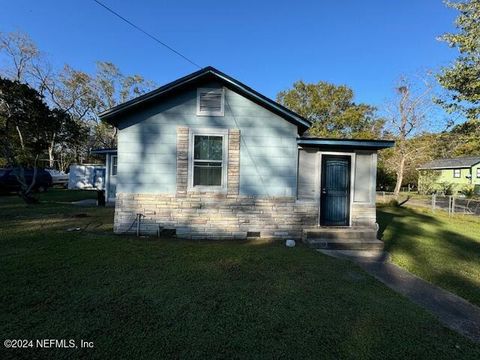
(29, 128)
(114, 88)
(417, 151)
(427, 181)
(78, 94)
(23, 116)
(63, 133)
(332, 110)
(461, 140)
(72, 92)
(462, 78)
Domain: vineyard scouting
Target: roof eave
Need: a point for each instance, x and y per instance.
(103, 151)
(346, 143)
(110, 114)
(444, 167)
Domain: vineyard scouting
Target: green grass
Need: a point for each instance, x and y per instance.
(440, 249)
(63, 195)
(160, 298)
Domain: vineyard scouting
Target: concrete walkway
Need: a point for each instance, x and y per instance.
(453, 311)
(85, 202)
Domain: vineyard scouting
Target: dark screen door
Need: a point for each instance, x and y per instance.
(335, 191)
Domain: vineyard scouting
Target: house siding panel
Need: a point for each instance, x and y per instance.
(365, 177)
(147, 145)
(308, 174)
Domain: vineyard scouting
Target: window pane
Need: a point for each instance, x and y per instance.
(207, 174)
(215, 148)
(208, 147)
(201, 147)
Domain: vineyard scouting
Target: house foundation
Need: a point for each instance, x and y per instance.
(223, 216)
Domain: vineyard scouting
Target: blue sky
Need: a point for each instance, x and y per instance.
(268, 45)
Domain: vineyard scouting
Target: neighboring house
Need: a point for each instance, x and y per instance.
(208, 157)
(461, 173)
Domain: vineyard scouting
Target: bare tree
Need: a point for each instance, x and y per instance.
(21, 51)
(80, 95)
(113, 88)
(407, 116)
(72, 92)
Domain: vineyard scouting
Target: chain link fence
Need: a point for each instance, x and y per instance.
(453, 204)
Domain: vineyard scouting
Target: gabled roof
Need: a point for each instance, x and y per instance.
(453, 163)
(345, 143)
(208, 73)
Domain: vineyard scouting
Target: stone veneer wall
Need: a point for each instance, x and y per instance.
(215, 216)
(197, 215)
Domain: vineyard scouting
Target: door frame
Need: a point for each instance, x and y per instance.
(109, 177)
(319, 182)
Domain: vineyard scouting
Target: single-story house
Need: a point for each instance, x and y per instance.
(460, 172)
(206, 156)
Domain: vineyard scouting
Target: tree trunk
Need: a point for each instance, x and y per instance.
(51, 146)
(20, 136)
(26, 190)
(51, 159)
(400, 170)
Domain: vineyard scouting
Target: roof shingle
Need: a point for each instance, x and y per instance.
(460, 162)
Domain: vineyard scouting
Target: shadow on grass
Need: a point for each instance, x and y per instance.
(434, 248)
(187, 298)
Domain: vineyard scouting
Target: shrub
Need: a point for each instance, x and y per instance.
(447, 188)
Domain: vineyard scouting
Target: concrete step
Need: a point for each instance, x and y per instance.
(341, 234)
(353, 244)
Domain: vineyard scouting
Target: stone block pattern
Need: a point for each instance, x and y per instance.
(182, 160)
(364, 215)
(233, 167)
(215, 216)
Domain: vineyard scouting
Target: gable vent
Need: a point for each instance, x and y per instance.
(210, 102)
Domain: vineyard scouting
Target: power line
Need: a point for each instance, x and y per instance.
(146, 33)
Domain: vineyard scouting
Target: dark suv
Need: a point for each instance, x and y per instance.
(9, 182)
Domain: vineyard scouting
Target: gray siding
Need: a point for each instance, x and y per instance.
(307, 174)
(365, 177)
(147, 145)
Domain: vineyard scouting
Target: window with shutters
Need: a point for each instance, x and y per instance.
(210, 102)
(208, 159)
(456, 173)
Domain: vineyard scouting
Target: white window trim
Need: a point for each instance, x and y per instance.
(478, 173)
(459, 175)
(211, 113)
(191, 144)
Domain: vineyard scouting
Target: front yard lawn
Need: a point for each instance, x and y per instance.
(160, 298)
(440, 249)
